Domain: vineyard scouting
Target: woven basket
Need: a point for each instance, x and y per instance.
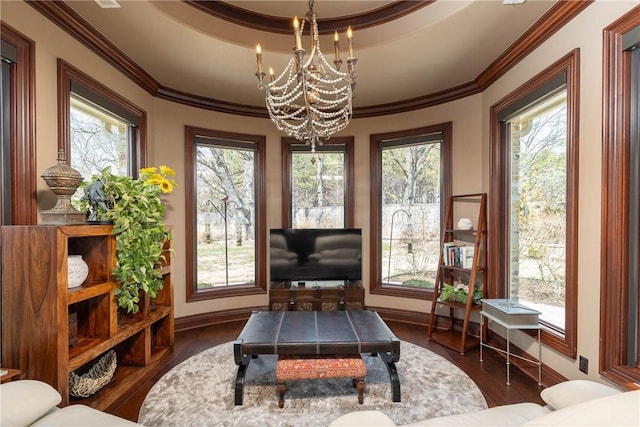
(98, 376)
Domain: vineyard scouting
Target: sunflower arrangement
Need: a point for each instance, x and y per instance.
(136, 210)
(162, 177)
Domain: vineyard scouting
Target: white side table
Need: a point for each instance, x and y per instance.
(511, 315)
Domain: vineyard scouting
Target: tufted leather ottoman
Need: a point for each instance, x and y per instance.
(320, 366)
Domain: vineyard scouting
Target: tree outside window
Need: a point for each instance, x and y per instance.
(317, 190)
(98, 139)
(226, 231)
(412, 170)
(538, 213)
(225, 227)
(410, 214)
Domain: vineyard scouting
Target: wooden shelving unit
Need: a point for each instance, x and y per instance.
(36, 307)
(284, 296)
(474, 275)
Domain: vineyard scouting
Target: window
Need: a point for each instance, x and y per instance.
(99, 139)
(17, 146)
(620, 278)
(412, 170)
(100, 128)
(317, 188)
(226, 223)
(537, 207)
(534, 210)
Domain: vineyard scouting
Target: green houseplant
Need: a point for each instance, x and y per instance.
(459, 293)
(135, 208)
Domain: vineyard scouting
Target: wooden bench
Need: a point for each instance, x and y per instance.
(319, 367)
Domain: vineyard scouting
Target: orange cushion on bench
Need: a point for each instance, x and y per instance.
(320, 366)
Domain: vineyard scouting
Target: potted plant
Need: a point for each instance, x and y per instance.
(136, 210)
(459, 293)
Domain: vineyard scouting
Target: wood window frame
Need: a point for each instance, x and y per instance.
(348, 142)
(260, 285)
(614, 260)
(67, 74)
(500, 185)
(24, 210)
(376, 286)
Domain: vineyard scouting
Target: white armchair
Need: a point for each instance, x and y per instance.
(35, 403)
(571, 403)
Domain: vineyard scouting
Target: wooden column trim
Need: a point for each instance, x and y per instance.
(22, 139)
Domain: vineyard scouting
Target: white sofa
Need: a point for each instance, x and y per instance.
(35, 403)
(571, 403)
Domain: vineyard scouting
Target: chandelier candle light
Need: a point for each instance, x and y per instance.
(310, 100)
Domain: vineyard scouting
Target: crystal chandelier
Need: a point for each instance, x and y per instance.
(311, 100)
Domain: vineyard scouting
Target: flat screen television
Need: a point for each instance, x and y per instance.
(304, 254)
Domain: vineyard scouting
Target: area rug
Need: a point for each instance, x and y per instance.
(200, 392)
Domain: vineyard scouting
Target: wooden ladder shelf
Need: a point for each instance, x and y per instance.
(462, 262)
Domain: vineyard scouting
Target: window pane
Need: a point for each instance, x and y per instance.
(226, 244)
(410, 214)
(317, 189)
(538, 216)
(98, 140)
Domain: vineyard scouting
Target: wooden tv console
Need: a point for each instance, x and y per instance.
(316, 296)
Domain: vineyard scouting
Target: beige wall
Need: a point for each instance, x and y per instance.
(470, 119)
(467, 168)
(583, 32)
(170, 119)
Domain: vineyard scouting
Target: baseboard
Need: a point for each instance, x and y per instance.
(215, 317)
(404, 316)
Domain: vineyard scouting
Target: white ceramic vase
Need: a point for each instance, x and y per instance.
(465, 224)
(78, 270)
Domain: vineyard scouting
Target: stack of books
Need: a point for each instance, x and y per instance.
(458, 255)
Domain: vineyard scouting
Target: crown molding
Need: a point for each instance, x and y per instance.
(67, 19)
(282, 25)
(71, 22)
(548, 24)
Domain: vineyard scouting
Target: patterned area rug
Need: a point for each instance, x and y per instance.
(200, 392)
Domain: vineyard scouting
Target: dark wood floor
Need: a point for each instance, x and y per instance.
(488, 375)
